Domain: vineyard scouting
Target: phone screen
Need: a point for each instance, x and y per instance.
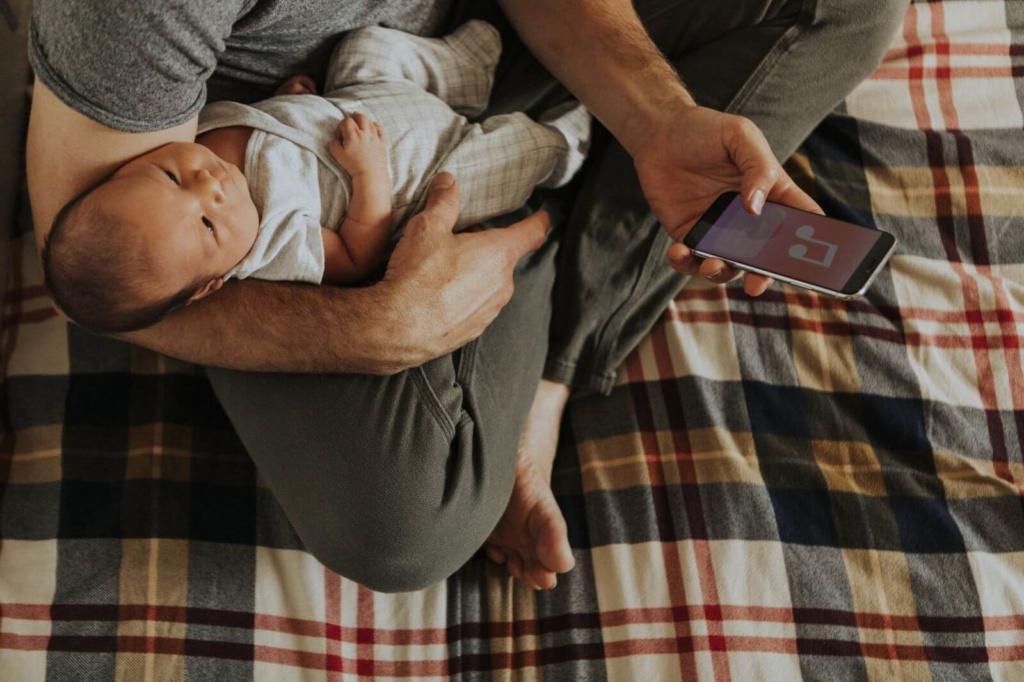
(804, 246)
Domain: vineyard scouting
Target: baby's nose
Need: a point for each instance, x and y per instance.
(207, 178)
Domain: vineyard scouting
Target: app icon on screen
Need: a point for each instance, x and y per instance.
(819, 252)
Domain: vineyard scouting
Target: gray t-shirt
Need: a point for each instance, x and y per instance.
(133, 67)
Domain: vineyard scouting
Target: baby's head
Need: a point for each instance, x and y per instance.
(157, 234)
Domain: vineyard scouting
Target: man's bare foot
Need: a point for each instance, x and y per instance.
(531, 538)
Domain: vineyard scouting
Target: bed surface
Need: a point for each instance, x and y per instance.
(783, 487)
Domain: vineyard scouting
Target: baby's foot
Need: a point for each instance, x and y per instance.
(572, 121)
(479, 45)
(297, 85)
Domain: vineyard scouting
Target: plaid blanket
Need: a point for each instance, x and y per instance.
(783, 487)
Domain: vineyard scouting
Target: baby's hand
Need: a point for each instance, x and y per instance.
(297, 85)
(362, 147)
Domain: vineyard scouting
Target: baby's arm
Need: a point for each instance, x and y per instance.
(356, 249)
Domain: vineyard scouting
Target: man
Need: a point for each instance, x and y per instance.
(403, 424)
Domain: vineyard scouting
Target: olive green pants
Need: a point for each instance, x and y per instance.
(396, 481)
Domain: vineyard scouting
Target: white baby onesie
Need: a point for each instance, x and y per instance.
(418, 89)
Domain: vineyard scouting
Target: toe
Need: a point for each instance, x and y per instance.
(541, 578)
(515, 566)
(494, 554)
(551, 537)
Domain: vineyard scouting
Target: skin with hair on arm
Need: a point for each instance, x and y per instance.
(441, 289)
(685, 156)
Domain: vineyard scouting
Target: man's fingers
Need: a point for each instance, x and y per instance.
(682, 259)
(714, 270)
(755, 284)
(753, 156)
(789, 193)
(758, 183)
(764, 179)
(522, 237)
(717, 271)
(755, 189)
(442, 207)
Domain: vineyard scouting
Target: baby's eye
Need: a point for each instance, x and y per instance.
(172, 176)
(209, 225)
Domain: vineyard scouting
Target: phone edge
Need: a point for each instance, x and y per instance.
(807, 285)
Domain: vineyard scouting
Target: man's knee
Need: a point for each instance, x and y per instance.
(390, 552)
(386, 567)
(414, 531)
(865, 27)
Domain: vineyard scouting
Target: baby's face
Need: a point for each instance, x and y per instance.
(191, 205)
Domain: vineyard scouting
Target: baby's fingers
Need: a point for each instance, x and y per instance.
(347, 129)
(361, 120)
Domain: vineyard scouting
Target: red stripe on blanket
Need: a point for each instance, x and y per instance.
(958, 49)
(662, 510)
(979, 253)
(365, 634)
(807, 300)
(989, 341)
(687, 472)
(944, 74)
(332, 616)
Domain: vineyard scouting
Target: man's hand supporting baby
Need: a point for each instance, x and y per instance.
(357, 248)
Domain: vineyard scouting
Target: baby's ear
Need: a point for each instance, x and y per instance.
(207, 289)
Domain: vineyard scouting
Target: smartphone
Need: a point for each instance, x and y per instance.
(804, 249)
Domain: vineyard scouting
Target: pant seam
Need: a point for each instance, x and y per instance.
(615, 322)
(598, 380)
(467, 361)
(771, 60)
(431, 401)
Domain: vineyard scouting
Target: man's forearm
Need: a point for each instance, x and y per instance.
(609, 62)
(284, 327)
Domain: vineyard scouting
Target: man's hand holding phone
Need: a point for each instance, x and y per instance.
(693, 155)
(805, 249)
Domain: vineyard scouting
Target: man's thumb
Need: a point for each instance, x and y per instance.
(442, 180)
(442, 206)
(526, 235)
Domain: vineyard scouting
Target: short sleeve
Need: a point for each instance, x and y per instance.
(130, 65)
(287, 248)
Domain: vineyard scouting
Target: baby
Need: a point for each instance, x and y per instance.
(303, 187)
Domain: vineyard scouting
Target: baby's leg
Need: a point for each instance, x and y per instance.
(459, 68)
(503, 158)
